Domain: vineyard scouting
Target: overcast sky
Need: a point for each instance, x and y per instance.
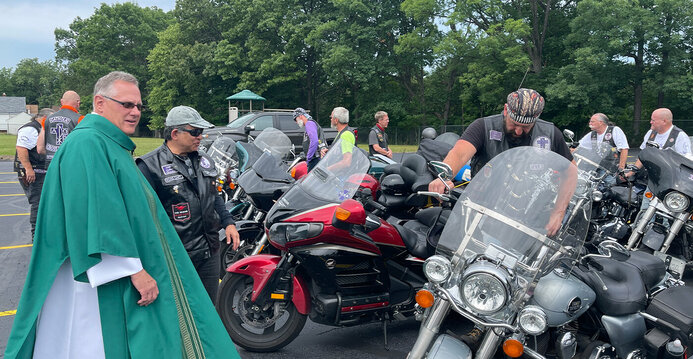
(26, 26)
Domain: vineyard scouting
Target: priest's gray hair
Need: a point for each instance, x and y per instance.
(341, 114)
(104, 86)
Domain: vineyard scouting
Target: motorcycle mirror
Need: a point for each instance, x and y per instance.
(569, 134)
(652, 144)
(442, 170)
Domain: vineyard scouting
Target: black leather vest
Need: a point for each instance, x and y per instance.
(190, 207)
(542, 135)
(382, 140)
(671, 140)
(607, 134)
(57, 127)
(37, 160)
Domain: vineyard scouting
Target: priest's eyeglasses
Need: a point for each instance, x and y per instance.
(128, 105)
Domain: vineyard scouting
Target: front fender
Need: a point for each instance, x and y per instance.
(260, 267)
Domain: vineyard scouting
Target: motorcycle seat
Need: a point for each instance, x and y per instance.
(619, 287)
(651, 268)
(413, 235)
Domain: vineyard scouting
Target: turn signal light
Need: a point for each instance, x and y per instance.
(232, 185)
(649, 195)
(219, 188)
(513, 348)
(342, 214)
(424, 298)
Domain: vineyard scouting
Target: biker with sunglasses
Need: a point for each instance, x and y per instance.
(184, 180)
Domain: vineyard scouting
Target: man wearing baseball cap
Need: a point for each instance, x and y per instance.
(184, 180)
(313, 137)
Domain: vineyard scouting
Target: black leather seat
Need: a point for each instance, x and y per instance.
(420, 236)
(652, 269)
(619, 287)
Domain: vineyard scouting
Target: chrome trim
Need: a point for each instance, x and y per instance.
(339, 248)
(446, 295)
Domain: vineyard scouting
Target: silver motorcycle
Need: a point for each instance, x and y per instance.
(542, 296)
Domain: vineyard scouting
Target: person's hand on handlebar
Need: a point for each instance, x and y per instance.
(438, 186)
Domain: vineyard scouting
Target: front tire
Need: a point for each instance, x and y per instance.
(256, 329)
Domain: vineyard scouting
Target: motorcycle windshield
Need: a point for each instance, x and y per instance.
(270, 168)
(595, 157)
(274, 141)
(335, 179)
(667, 170)
(502, 215)
(223, 152)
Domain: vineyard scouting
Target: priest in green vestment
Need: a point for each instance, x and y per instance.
(109, 277)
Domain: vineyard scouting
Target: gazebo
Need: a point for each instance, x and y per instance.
(245, 95)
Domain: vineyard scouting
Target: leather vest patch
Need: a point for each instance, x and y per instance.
(181, 212)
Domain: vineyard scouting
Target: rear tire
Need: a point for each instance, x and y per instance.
(256, 329)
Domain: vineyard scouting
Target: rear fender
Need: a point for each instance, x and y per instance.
(260, 267)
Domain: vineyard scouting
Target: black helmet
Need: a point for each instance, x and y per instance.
(429, 132)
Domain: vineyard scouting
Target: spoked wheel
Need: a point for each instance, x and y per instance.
(255, 328)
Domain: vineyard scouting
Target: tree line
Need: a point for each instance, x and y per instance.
(425, 62)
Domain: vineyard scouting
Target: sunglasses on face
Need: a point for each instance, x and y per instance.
(194, 132)
(127, 105)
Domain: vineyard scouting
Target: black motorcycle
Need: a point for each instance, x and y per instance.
(665, 226)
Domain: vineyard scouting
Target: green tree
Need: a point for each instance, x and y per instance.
(115, 37)
(38, 81)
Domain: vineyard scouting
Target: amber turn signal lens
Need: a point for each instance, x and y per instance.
(649, 195)
(424, 298)
(513, 348)
(232, 185)
(341, 214)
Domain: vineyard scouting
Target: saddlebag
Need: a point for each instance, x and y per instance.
(674, 305)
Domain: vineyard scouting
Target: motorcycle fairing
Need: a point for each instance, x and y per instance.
(261, 267)
(667, 170)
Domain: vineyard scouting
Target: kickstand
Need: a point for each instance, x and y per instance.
(387, 347)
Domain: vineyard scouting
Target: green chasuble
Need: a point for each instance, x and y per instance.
(95, 200)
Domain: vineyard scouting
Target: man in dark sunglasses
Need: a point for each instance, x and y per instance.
(184, 179)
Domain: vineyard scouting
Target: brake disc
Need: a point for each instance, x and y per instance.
(256, 316)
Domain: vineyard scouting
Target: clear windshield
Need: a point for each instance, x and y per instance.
(338, 174)
(503, 213)
(274, 141)
(223, 152)
(594, 157)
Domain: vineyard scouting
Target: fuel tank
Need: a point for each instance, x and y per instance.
(562, 296)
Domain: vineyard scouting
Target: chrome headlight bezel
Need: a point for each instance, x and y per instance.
(676, 201)
(437, 269)
(493, 278)
(533, 320)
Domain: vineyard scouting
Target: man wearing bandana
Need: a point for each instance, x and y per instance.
(518, 125)
(184, 180)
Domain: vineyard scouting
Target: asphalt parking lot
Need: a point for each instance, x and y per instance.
(315, 341)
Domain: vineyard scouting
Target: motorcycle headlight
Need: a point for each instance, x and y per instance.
(484, 291)
(533, 320)
(282, 233)
(676, 201)
(437, 269)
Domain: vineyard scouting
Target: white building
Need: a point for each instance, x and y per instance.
(10, 107)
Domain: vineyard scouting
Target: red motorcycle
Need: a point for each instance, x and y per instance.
(341, 264)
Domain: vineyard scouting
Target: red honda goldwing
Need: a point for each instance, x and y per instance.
(341, 264)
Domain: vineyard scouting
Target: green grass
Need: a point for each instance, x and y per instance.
(144, 145)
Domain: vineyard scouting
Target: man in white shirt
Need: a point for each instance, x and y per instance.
(30, 164)
(602, 131)
(665, 134)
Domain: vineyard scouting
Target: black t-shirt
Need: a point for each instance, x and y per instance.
(476, 135)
